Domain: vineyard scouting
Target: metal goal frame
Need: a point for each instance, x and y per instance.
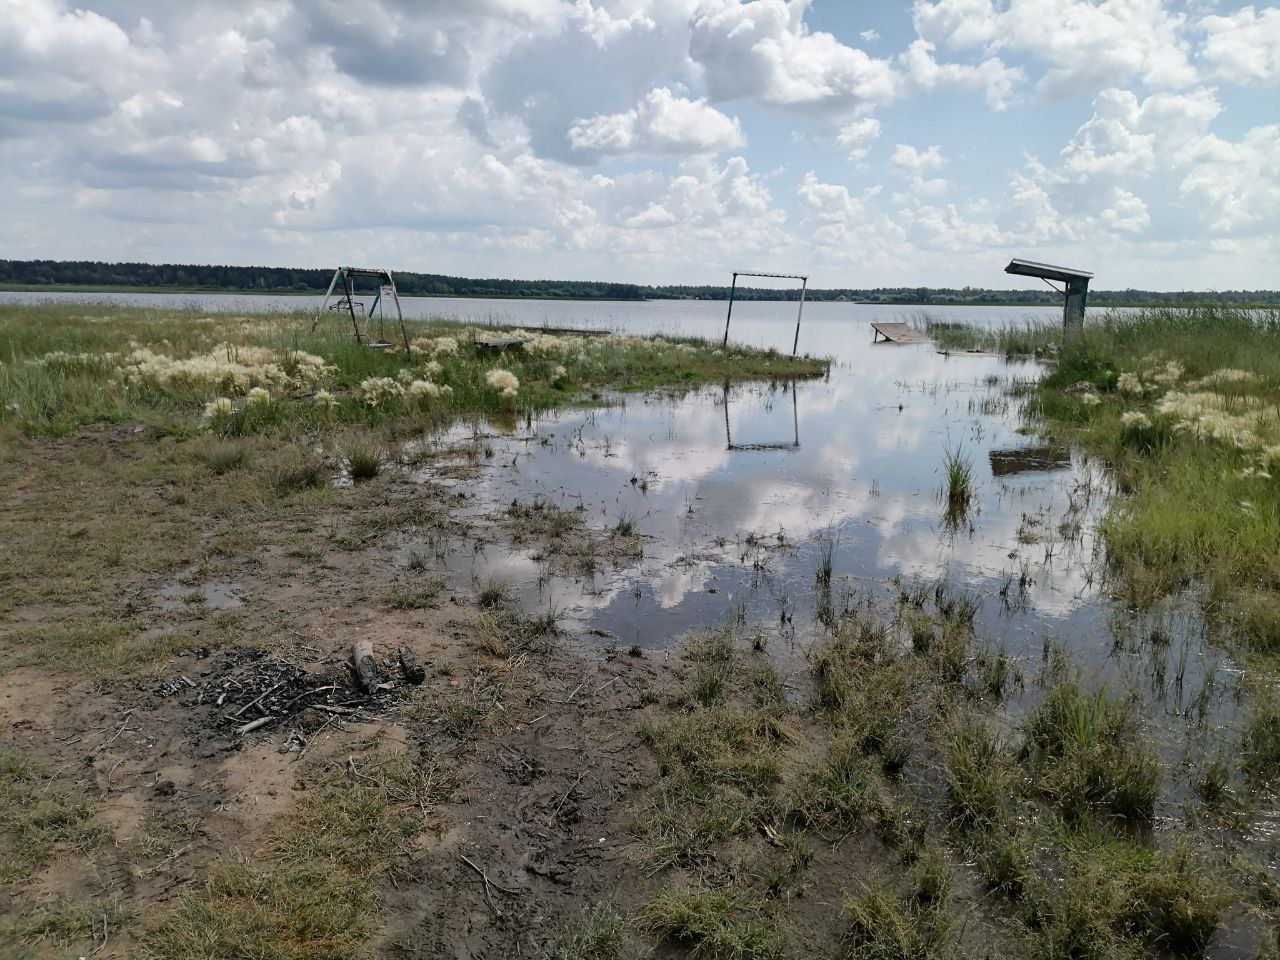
(733, 289)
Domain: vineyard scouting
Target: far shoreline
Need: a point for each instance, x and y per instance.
(308, 294)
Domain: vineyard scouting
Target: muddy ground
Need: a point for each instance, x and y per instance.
(533, 748)
(177, 709)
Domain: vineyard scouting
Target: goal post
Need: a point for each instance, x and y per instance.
(733, 289)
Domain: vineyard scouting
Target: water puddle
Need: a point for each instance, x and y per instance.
(187, 590)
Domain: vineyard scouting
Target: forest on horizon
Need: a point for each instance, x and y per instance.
(61, 274)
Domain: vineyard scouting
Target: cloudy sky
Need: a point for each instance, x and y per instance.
(872, 143)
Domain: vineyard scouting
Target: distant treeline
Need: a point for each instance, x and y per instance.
(91, 273)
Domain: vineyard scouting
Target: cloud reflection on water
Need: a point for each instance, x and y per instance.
(867, 471)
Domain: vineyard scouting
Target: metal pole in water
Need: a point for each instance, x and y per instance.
(732, 290)
(795, 412)
(728, 435)
(804, 284)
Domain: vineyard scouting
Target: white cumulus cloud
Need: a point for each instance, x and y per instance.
(992, 77)
(1244, 47)
(858, 135)
(661, 123)
(763, 50)
(1084, 42)
(913, 162)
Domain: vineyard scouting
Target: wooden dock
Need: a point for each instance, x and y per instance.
(898, 333)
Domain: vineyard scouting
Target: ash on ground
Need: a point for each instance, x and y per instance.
(233, 694)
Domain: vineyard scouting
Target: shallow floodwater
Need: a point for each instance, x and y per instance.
(740, 492)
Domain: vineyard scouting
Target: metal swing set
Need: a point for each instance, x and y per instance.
(346, 300)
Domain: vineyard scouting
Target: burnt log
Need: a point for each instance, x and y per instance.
(363, 667)
(409, 666)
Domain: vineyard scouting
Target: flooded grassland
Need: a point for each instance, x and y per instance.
(726, 653)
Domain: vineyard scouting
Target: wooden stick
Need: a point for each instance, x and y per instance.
(258, 699)
(106, 743)
(484, 878)
(255, 724)
(325, 708)
(303, 696)
(552, 816)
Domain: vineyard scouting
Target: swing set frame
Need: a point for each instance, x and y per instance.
(733, 290)
(346, 301)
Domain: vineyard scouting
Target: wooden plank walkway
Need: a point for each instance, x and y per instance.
(898, 333)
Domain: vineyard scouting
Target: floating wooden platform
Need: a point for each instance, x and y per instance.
(898, 333)
(501, 343)
(972, 353)
(1017, 460)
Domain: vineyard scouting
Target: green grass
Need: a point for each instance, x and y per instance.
(92, 645)
(1088, 754)
(39, 817)
(716, 924)
(977, 773)
(1025, 338)
(1115, 898)
(543, 520)
(296, 470)
(493, 594)
(1195, 510)
(958, 486)
(315, 896)
(885, 926)
(364, 461)
(718, 778)
(718, 752)
(419, 596)
(64, 922)
(223, 457)
(841, 792)
(58, 373)
(1005, 858)
(600, 935)
(827, 547)
(1261, 738)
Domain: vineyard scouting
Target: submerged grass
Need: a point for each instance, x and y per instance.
(1088, 754)
(1184, 403)
(958, 487)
